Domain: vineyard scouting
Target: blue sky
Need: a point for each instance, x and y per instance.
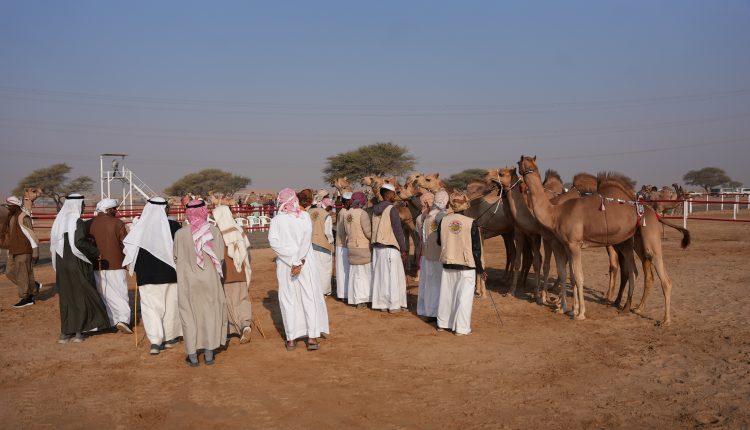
(269, 90)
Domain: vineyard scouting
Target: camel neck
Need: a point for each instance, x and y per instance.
(542, 209)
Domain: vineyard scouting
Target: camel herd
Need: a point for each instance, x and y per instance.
(538, 218)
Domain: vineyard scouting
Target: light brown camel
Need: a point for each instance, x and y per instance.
(432, 183)
(218, 199)
(342, 185)
(486, 207)
(524, 222)
(648, 247)
(590, 221)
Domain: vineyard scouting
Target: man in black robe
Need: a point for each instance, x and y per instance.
(81, 307)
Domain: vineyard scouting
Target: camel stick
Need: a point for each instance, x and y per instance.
(497, 312)
(256, 323)
(135, 316)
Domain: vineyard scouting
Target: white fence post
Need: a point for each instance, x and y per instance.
(684, 216)
(736, 205)
(722, 202)
(690, 203)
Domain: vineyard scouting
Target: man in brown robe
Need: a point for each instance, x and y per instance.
(23, 251)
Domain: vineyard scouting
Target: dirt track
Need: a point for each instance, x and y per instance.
(395, 371)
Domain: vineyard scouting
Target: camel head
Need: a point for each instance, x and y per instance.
(527, 164)
(459, 201)
(414, 177)
(368, 181)
(32, 193)
(340, 182)
(431, 182)
(506, 176)
(492, 177)
(406, 192)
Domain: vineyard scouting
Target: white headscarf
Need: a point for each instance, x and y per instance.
(65, 222)
(30, 235)
(439, 205)
(105, 204)
(235, 239)
(151, 233)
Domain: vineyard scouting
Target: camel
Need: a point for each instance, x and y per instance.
(375, 182)
(219, 199)
(342, 185)
(665, 193)
(529, 229)
(590, 221)
(432, 183)
(487, 210)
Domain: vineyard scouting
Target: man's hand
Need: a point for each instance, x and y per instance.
(296, 270)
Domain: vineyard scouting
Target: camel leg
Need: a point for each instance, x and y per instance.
(623, 279)
(561, 260)
(527, 261)
(626, 248)
(520, 246)
(510, 255)
(666, 286)
(614, 267)
(579, 307)
(546, 263)
(536, 248)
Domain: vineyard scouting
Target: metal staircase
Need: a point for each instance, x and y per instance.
(129, 181)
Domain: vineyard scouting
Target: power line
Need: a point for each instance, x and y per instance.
(249, 137)
(297, 109)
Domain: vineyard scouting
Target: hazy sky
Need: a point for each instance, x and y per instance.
(270, 89)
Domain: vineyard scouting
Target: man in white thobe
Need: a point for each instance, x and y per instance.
(430, 266)
(342, 253)
(303, 309)
(322, 240)
(461, 256)
(388, 241)
(109, 232)
(149, 253)
(358, 236)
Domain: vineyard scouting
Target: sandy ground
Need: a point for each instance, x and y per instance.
(533, 369)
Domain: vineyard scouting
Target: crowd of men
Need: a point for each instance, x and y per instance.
(193, 277)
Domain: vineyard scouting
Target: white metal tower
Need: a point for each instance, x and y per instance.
(118, 171)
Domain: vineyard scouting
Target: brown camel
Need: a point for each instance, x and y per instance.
(525, 223)
(590, 221)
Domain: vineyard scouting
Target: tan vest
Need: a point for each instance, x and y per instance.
(455, 236)
(340, 228)
(430, 248)
(318, 217)
(355, 235)
(382, 232)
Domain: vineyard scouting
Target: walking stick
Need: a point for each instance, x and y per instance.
(256, 323)
(135, 316)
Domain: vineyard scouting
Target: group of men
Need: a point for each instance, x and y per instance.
(193, 279)
(369, 250)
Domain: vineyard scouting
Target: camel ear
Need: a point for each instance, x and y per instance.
(512, 171)
(534, 158)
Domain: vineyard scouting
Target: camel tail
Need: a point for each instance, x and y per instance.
(685, 232)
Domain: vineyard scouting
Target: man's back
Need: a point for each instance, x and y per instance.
(109, 232)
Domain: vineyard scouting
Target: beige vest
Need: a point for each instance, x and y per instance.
(455, 236)
(355, 235)
(382, 232)
(430, 248)
(340, 228)
(318, 217)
